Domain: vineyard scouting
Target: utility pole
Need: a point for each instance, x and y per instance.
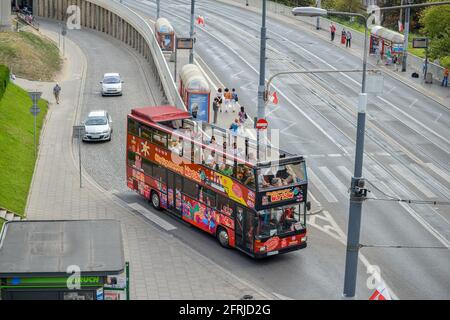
(191, 54)
(406, 41)
(262, 75)
(319, 5)
(157, 8)
(357, 191)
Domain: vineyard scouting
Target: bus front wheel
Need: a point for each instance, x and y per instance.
(155, 200)
(222, 236)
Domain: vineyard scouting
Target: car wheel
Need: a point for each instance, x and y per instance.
(223, 238)
(155, 200)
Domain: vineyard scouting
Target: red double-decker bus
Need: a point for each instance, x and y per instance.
(211, 179)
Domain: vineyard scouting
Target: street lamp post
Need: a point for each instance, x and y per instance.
(158, 8)
(262, 76)
(191, 53)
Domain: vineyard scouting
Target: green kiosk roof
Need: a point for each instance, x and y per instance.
(47, 248)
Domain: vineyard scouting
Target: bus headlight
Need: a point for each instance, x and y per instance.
(262, 249)
(303, 239)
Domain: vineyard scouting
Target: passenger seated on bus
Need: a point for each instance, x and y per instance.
(226, 169)
(175, 146)
(249, 178)
(286, 174)
(211, 160)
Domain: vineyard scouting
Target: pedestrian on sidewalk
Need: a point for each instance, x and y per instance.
(227, 96)
(348, 37)
(445, 79)
(219, 96)
(378, 54)
(242, 116)
(234, 99)
(216, 108)
(343, 36)
(234, 127)
(332, 31)
(56, 92)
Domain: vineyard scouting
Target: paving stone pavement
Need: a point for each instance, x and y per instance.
(161, 266)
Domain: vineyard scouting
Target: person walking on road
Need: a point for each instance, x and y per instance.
(227, 96)
(56, 92)
(343, 36)
(445, 79)
(242, 116)
(234, 99)
(332, 31)
(216, 108)
(219, 96)
(348, 37)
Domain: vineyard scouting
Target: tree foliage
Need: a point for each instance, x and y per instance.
(435, 23)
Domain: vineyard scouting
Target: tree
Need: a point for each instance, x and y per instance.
(348, 5)
(436, 26)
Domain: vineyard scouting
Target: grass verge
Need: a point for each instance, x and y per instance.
(29, 55)
(17, 146)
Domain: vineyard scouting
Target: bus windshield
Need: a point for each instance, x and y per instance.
(281, 175)
(278, 221)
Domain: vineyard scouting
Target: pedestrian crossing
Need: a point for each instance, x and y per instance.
(427, 182)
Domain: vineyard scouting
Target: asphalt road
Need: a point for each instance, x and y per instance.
(317, 121)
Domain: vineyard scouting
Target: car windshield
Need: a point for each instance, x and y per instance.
(96, 121)
(109, 80)
(277, 221)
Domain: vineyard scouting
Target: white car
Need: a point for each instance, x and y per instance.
(98, 126)
(111, 84)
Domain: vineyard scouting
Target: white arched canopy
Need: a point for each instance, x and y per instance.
(387, 34)
(193, 79)
(163, 26)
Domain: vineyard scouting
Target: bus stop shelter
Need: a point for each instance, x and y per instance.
(165, 34)
(388, 42)
(195, 92)
(63, 260)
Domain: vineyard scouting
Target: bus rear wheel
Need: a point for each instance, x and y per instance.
(223, 238)
(155, 200)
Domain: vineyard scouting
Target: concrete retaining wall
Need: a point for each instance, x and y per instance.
(122, 23)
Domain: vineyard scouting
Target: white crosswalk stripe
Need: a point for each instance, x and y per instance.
(334, 181)
(439, 172)
(405, 173)
(321, 187)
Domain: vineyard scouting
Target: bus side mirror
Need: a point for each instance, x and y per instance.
(308, 206)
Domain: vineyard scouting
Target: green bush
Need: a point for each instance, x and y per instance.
(4, 79)
(445, 61)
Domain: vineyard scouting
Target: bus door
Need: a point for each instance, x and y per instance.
(244, 228)
(174, 192)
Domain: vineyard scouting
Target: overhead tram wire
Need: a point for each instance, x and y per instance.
(412, 201)
(402, 246)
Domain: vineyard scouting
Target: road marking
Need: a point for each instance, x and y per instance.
(321, 187)
(334, 155)
(405, 173)
(438, 171)
(334, 181)
(152, 217)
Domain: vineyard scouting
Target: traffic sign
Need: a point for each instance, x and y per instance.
(185, 43)
(35, 110)
(261, 124)
(35, 96)
(420, 43)
(78, 132)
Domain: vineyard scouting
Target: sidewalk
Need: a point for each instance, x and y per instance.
(434, 90)
(161, 266)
